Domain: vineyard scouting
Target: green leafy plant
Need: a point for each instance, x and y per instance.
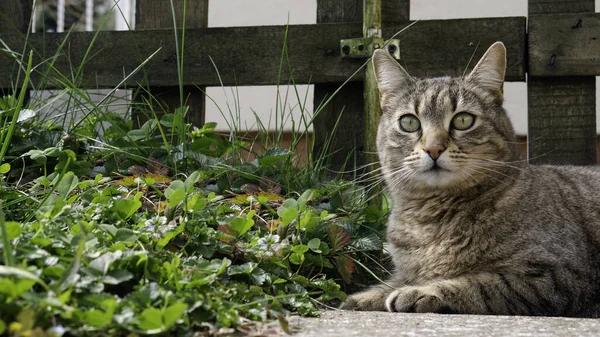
(111, 228)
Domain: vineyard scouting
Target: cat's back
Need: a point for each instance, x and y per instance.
(564, 185)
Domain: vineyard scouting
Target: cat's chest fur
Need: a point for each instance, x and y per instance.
(439, 238)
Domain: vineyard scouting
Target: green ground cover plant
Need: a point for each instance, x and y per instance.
(113, 229)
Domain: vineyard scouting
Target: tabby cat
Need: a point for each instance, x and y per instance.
(474, 230)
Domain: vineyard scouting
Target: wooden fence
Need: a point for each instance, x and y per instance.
(557, 46)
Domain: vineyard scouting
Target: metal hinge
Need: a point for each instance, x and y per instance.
(362, 48)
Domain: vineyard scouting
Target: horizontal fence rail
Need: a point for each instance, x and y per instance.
(433, 48)
(564, 44)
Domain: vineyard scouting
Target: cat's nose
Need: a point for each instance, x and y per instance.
(434, 151)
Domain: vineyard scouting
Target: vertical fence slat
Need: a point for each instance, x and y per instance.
(371, 29)
(349, 101)
(154, 14)
(561, 110)
(14, 14)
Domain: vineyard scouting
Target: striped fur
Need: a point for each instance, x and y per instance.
(479, 232)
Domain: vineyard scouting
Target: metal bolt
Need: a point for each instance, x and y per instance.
(392, 48)
(346, 49)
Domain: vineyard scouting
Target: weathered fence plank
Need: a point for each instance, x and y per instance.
(564, 44)
(347, 108)
(348, 143)
(372, 28)
(559, 6)
(14, 16)
(429, 48)
(14, 19)
(561, 110)
(158, 14)
(152, 14)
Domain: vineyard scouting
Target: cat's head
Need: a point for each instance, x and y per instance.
(444, 133)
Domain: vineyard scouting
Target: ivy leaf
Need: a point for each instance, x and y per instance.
(258, 276)
(117, 276)
(125, 208)
(297, 258)
(36, 155)
(51, 152)
(314, 245)
(150, 319)
(273, 156)
(176, 197)
(324, 248)
(288, 216)
(309, 221)
(13, 229)
(191, 180)
(369, 242)
(175, 185)
(173, 313)
(67, 185)
(338, 237)
(97, 318)
(168, 236)
(330, 289)
(196, 202)
(241, 225)
(300, 249)
(112, 230)
(125, 235)
(345, 266)
(304, 198)
(103, 262)
(245, 268)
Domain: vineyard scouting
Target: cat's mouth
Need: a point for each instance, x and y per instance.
(435, 168)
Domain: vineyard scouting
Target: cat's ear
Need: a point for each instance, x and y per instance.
(489, 71)
(392, 79)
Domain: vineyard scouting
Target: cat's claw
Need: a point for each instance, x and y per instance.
(416, 299)
(370, 300)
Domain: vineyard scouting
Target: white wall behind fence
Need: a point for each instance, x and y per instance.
(260, 100)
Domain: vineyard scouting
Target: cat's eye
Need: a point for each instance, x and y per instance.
(409, 123)
(463, 121)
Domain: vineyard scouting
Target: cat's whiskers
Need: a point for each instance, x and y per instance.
(397, 176)
(357, 169)
(398, 179)
(484, 167)
(502, 164)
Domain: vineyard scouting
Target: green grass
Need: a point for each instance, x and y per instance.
(112, 229)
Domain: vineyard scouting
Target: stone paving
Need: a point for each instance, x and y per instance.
(380, 324)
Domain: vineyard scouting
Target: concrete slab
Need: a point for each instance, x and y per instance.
(380, 324)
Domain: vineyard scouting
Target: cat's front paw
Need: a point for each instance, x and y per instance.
(370, 300)
(417, 299)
